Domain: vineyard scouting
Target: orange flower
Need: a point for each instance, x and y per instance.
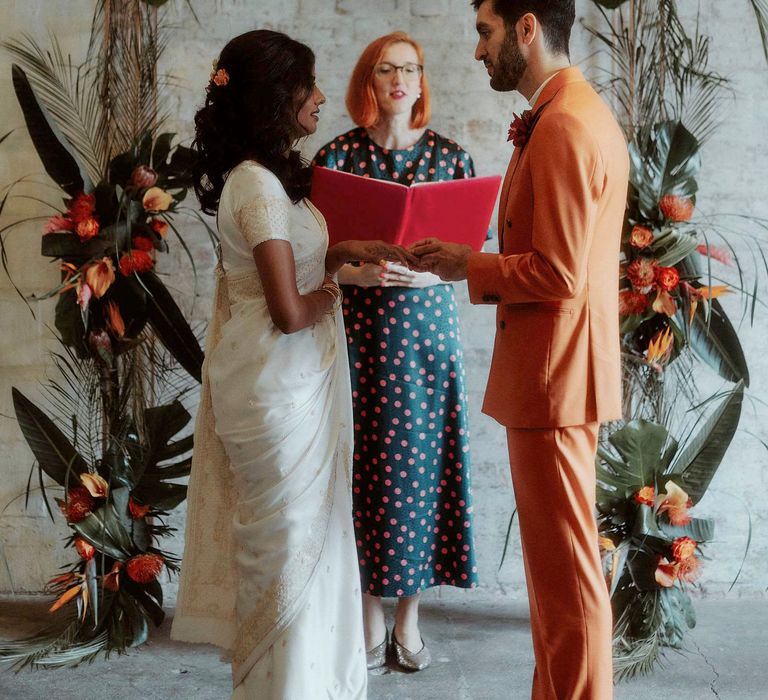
(642, 273)
(666, 573)
(136, 261)
(667, 278)
(144, 568)
(664, 303)
(112, 579)
(641, 237)
(96, 485)
(137, 510)
(645, 496)
(66, 597)
(87, 229)
(99, 276)
(696, 294)
(689, 569)
(78, 504)
(632, 303)
(220, 77)
(84, 548)
(675, 503)
(82, 207)
(159, 226)
(683, 548)
(142, 243)
(660, 347)
(606, 544)
(156, 199)
(676, 208)
(58, 224)
(115, 321)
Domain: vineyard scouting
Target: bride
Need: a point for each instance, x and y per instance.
(270, 569)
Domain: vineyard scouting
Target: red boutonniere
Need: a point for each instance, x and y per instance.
(520, 128)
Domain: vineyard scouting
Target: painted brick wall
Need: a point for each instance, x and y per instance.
(465, 109)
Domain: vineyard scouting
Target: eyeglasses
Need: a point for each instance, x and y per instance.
(411, 71)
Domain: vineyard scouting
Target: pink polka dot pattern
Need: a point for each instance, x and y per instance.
(411, 483)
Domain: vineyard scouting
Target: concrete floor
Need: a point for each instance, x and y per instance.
(481, 649)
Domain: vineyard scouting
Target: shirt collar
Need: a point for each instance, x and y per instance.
(537, 94)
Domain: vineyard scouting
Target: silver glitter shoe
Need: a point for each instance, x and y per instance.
(377, 657)
(411, 660)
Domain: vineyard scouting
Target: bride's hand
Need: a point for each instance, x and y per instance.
(367, 252)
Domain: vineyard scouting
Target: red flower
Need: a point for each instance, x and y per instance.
(642, 273)
(667, 278)
(136, 261)
(689, 569)
(641, 237)
(144, 568)
(137, 510)
(84, 548)
(520, 128)
(78, 504)
(58, 224)
(159, 226)
(645, 496)
(142, 243)
(87, 229)
(676, 208)
(683, 548)
(82, 207)
(632, 303)
(143, 177)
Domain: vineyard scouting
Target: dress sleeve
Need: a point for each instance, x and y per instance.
(465, 168)
(260, 207)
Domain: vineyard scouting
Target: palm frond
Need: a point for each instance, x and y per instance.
(760, 8)
(69, 96)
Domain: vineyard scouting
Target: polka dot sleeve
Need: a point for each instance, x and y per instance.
(465, 168)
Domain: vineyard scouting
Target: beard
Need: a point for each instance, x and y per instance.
(510, 66)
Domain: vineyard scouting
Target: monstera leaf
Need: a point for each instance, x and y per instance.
(702, 455)
(666, 163)
(56, 159)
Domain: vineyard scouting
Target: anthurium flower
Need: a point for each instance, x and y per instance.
(84, 548)
(112, 579)
(82, 207)
(58, 224)
(683, 548)
(675, 503)
(676, 208)
(642, 274)
(144, 568)
(136, 261)
(664, 303)
(660, 348)
(159, 226)
(87, 229)
(96, 485)
(115, 321)
(137, 510)
(99, 276)
(641, 237)
(666, 573)
(156, 199)
(644, 496)
(143, 177)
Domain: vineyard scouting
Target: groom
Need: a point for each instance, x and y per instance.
(555, 373)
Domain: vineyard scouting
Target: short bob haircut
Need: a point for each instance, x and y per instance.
(361, 98)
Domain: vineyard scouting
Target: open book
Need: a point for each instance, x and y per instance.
(362, 208)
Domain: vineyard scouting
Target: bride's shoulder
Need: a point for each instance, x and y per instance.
(252, 179)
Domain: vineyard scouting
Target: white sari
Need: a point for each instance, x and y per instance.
(270, 568)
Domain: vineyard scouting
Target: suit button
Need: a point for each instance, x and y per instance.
(502, 325)
(509, 223)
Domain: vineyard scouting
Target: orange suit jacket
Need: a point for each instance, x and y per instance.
(555, 281)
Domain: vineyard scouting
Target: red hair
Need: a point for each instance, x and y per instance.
(361, 97)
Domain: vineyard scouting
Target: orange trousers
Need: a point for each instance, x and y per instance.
(553, 474)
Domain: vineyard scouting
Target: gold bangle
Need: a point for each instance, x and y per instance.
(335, 295)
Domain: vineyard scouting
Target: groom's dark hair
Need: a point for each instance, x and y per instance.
(556, 17)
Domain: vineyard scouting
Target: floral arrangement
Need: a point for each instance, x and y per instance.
(114, 439)
(672, 328)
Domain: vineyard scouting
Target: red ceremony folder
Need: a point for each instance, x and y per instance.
(362, 208)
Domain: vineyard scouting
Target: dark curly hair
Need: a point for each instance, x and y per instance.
(254, 116)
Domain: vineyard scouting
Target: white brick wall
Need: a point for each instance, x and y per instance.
(465, 109)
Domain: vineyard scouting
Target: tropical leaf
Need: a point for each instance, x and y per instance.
(54, 453)
(640, 444)
(760, 8)
(56, 159)
(69, 323)
(699, 460)
(103, 529)
(68, 246)
(171, 326)
(699, 529)
(161, 495)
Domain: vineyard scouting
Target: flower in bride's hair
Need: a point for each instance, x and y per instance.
(221, 77)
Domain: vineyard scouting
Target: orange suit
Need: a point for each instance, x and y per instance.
(555, 373)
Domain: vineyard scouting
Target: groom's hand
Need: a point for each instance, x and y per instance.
(447, 260)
